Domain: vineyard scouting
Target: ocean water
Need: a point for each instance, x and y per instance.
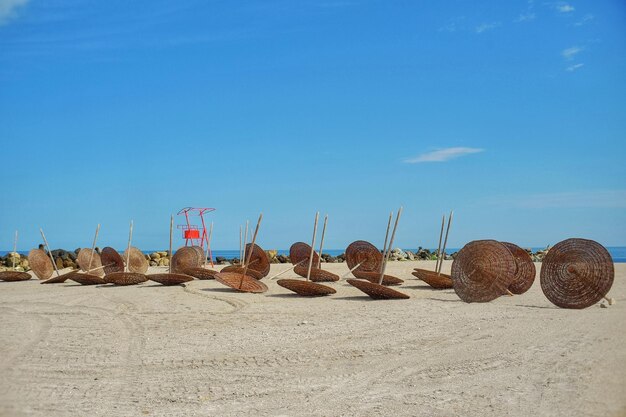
(618, 253)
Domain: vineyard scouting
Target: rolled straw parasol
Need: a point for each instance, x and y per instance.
(40, 264)
(317, 274)
(377, 291)
(111, 260)
(373, 276)
(186, 257)
(257, 260)
(14, 276)
(300, 252)
(577, 273)
(85, 256)
(365, 255)
(306, 288)
(525, 269)
(137, 261)
(432, 278)
(482, 271)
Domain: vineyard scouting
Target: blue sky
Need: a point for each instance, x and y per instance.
(511, 113)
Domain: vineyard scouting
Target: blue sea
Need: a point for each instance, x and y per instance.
(618, 253)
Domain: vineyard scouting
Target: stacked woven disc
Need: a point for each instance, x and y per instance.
(576, 273)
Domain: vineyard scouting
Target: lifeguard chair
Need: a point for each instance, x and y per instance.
(192, 233)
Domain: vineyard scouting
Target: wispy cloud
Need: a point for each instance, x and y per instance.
(453, 25)
(8, 9)
(570, 53)
(565, 8)
(442, 155)
(486, 26)
(574, 67)
(574, 199)
(526, 17)
(586, 19)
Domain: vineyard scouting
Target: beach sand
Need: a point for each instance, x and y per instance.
(206, 350)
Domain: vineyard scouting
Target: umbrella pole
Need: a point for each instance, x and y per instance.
(256, 231)
(14, 249)
(286, 270)
(240, 245)
(386, 237)
(319, 263)
(130, 238)
(208, 246)
(350, 271)
(393, 235)
(245, 243)
(93, 246)
(443, 222)
(445, 243)
(49, 252)
(169, 264)
(308, 273)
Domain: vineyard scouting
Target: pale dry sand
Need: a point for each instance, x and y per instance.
(205, 350)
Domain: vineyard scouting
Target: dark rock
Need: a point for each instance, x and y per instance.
(282, 259)
(220, 260)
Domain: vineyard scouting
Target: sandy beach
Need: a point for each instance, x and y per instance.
(203, 349)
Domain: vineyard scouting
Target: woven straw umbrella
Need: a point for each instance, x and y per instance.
(257, 260)
(362, 256)
(577, 273)
(137, 261)
(525, 269)
(125, 277)
(111, 260)
(14, 276)
(374, 277)
(186, 257)
(434, 279)
(482, 271)
(303, 266)
(172, 278)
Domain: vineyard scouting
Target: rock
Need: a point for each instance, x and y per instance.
(163, 254)
(283, 259)
(155, 255)
(153, 263)
(602, 305)
(410, 256)
(341, 258)
(59, 263)
(398, 254)
(220, 260)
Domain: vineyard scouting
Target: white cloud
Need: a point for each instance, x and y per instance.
(526, 17)
(565, 8)
(8, 8)
(442, 155)
(586, 19)
(570, 53)
(574, 67)
(575, 199)
(486, 26)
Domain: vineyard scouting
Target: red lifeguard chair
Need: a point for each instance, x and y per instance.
(192, 233)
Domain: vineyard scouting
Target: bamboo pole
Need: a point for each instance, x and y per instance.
(130, 238)
(286, 270)
(386, 237)
(240, 245)
(256, 231)
(93, 247)
(245, 243)
(443, 222)
(14, 249)
(445, 242)
(308, 272)
(393, 235)
(319, 263)
(171, 238)
(208, 245)
(54, 264)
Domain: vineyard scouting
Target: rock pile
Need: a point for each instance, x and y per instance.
(14, 258)
(159, 258)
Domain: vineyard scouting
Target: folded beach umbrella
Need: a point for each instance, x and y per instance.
(362, 256)
(89, 260)
(137, 261)
(14, 276)
(111, 260)
(482, 271)
(40, 263)
(436, 280)
(524, 269)
(577, 273)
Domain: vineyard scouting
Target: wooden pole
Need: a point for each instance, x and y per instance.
(14, 249)
(319, 263)
(93, 246)
(308, 272)
(350, 271)
(130, 238)
(393, 235)
(443, 222)
(286, 270)
(208, 244)
(445, 243)
(245, 243)
(54, 264)
(240, 245)
(386, 237)
(256, 231)
(171, 238)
